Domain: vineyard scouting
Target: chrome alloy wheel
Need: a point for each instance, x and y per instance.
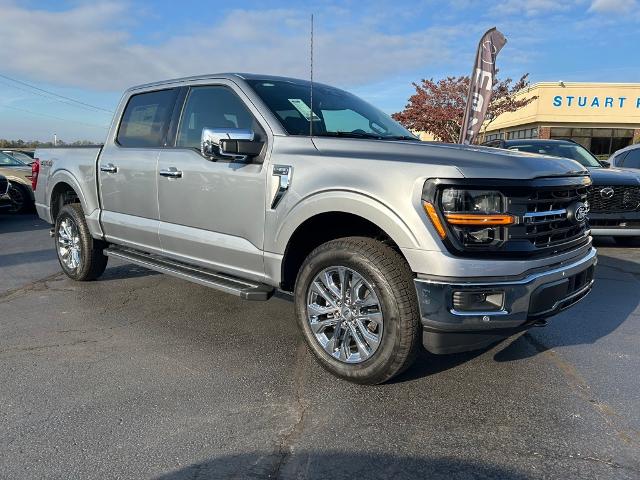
(344, 314)
(69, 249)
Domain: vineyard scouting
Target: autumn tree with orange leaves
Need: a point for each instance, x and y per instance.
(438, 107)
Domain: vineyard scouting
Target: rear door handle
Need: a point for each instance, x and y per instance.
(171, 172)
(109, 168)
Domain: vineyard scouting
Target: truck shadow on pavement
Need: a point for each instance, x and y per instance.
(613, 299)
(127, 270)
(339, 465)
(16, 223)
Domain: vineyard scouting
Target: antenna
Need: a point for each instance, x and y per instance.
(311, 84)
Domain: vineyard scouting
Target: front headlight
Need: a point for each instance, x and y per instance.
(474, 218)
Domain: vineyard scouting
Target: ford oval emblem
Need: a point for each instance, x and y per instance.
(607, 192)
(577, 212)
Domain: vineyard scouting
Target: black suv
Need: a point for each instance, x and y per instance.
(614, 197)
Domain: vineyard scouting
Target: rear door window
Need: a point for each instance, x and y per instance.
(146, 119)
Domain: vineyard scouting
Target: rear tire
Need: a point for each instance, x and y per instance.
(80, 255)
(627, 241)
(375, 314)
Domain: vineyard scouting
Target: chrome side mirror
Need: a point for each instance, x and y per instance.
(213, 142)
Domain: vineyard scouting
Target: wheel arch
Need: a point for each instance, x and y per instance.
(62, 193)
(320, 220)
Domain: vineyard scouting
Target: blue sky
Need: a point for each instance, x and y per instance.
(91, 51)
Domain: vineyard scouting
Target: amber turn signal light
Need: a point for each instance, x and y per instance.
(478, 219)
(435, 219)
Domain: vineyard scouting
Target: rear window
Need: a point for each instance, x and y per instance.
(146, 119)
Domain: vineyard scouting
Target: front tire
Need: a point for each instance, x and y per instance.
(80, 255)
(20, 199)
(357, 309)
(627, 241)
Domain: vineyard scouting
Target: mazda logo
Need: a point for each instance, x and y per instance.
(577, 212)
(607, 192)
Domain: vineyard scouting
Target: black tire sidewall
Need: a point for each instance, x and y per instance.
(74, 212)
(377, 364)
(25, 197)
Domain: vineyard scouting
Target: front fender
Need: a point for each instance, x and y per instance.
(21, 181)
(355, 203)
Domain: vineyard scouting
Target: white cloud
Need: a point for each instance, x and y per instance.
(613, 6)
(89, 46)
(533, 7)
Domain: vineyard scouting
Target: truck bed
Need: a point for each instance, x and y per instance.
(66, 164)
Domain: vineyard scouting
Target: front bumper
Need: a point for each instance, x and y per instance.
(527, 300)
(623, 224)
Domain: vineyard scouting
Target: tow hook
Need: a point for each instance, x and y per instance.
(540, 323)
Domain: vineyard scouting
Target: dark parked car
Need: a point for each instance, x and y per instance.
(19, 175)
(628, 157)
(5, 200)
(614, 197)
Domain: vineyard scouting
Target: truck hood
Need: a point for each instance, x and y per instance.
(613, 176)
(470, 161)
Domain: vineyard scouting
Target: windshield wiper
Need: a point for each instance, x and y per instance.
(403, 137)
(367, 135)
(351, 135)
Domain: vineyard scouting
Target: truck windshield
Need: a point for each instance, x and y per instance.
(336, 113)
(573, 151)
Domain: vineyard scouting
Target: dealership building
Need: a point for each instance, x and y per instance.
(603, 117)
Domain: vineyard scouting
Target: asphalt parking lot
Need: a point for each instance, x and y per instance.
(140, 375)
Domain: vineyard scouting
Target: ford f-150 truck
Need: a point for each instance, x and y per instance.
(251, 184)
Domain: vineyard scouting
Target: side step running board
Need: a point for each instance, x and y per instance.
(245, 289)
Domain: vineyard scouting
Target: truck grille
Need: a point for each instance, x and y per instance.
(545, 222)
(614, 198)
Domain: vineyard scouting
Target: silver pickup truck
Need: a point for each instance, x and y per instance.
(251, 184)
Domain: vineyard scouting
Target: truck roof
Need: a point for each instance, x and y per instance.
(226, 76)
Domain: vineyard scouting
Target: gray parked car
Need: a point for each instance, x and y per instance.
(628, 157)
(239, 182)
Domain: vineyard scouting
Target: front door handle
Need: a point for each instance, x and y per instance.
(171, 172)
(109, 168)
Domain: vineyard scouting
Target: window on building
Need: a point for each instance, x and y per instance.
(601, 142)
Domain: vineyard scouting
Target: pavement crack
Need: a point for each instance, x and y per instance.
(37, 285)
(285, 446)
(33, 348)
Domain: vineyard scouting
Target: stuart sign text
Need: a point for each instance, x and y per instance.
(580, 101)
